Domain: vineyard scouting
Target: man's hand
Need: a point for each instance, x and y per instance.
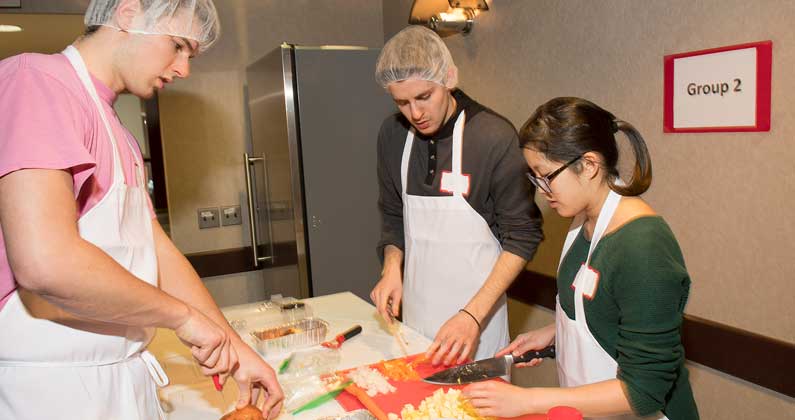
(387, 294)
(209, 344)
(531, 340)
(253, 376)
(455, 341)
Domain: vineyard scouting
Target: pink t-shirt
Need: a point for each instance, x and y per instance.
(48, 121)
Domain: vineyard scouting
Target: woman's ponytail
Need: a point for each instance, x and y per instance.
(641, 175)
(565, 128)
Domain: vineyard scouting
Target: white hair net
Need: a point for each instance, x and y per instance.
(416, 52)
(191, 19)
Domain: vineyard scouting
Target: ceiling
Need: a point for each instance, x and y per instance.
(250, 28)
(40, 33)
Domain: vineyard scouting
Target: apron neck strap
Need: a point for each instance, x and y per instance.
(76, 60)
(404, 162)
(458, 141)
(605, 215)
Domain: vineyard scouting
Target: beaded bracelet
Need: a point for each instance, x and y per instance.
(472, 316)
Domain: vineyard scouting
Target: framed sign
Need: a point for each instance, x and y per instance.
(718, 90)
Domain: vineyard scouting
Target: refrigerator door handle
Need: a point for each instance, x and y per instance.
(248, 163)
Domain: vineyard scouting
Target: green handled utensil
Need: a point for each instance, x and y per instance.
(286, 363)
(322, 399)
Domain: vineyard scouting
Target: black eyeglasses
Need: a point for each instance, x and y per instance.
(543, 182)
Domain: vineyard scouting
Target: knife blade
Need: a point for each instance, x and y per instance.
(394, 329)
(485, 369)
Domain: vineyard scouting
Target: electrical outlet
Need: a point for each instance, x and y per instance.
(230, 215)
(209, 218)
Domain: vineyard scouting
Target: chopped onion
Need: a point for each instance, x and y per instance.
(371, 380)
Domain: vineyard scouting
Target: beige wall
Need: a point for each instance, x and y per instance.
(728, 197)
(202, 119)
(203, 143)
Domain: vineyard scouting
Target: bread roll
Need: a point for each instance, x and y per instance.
(248, 412)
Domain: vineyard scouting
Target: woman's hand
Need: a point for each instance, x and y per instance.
(498, 399)
(531, 340)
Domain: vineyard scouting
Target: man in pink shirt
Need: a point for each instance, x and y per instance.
(86, 272)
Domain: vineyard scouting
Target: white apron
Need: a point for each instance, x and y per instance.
(56, 366)
(450, 252)
(580, 358)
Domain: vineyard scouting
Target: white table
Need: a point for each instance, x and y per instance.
(191, 396)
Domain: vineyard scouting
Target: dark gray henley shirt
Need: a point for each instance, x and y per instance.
(499, 190)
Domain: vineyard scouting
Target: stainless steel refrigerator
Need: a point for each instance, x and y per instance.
(313, 120)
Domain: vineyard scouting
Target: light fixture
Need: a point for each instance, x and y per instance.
(10, 4)
(447, 17)
(10, 28)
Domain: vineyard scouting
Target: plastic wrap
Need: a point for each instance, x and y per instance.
(299, 390)
(352, 415)
(314, 361)
(271, 313)
(291, 308)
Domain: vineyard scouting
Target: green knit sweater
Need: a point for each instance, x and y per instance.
(636, 312)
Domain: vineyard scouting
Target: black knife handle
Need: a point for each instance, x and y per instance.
(356, 329)
(536, 354)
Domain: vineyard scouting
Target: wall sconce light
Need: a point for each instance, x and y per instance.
(10, 28)
(447, 17)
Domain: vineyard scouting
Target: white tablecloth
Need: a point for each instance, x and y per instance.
(191, 396)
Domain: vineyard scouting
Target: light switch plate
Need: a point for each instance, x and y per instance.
(230, 215)
(209, 218)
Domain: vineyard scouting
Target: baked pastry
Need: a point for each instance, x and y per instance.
(248, 412)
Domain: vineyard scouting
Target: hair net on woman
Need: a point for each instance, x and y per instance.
(191, 19)
(416, 52)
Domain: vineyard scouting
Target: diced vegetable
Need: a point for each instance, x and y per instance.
(440, 405)
(372, 381)
(398, 370)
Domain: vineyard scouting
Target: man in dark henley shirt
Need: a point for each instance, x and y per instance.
(497, 190)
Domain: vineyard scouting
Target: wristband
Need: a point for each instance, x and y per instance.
(471, 316)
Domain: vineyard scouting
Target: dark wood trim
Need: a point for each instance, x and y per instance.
(155, 145)
(534, 289)
(239, 260)
(762, 360)
(755, 358)
(752, 357)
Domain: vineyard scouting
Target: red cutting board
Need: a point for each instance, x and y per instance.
(409, 392)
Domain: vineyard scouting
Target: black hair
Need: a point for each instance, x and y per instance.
(565, 128)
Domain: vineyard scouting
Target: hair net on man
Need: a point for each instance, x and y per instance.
(191, 19)
(416, 52)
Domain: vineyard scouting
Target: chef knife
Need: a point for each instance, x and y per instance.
(394, 328)
(482, 370)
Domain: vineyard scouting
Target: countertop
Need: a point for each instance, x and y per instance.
(191, 396)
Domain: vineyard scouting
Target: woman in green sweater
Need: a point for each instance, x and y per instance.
(622, 281)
